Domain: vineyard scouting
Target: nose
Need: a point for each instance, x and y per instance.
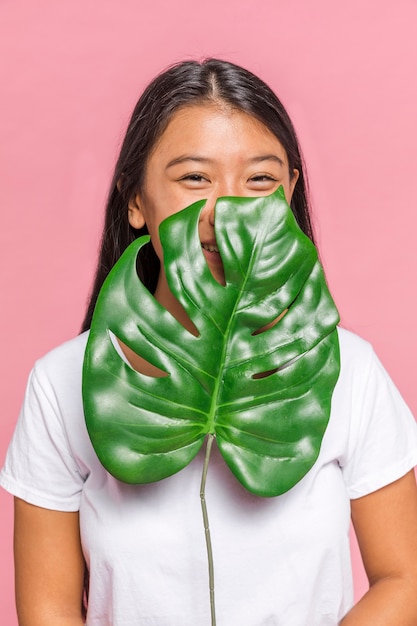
(207, 214)
(220, 190)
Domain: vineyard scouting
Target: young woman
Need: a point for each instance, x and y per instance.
(204, 131)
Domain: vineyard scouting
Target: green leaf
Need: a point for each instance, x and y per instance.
(264, 395)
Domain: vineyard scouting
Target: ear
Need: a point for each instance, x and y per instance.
(293, 182)
(135, 215)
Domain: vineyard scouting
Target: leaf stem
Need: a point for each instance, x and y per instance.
(209, 444)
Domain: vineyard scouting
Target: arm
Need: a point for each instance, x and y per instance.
(49, 566)
(385, 523)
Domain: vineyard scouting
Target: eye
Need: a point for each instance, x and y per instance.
(262, 181)
(262, 178)
(195, 178)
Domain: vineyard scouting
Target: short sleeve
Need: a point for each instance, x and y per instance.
(39, 466)
(383, 441)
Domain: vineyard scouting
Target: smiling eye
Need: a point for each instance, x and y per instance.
(262, 182)
(260, 178)
(195, 178)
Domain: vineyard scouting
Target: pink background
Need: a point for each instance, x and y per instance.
(70, 74)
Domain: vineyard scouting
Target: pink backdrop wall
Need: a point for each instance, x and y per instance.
(70, 73)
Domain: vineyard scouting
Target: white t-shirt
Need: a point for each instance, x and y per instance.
(280, 561)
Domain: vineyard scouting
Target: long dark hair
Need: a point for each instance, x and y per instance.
(185, 84)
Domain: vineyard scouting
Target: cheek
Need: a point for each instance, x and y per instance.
(153, 232)
(289, 186)
(152, 222)
(158, 208)
(287, 191)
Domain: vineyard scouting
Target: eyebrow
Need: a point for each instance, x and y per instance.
(267, 157)
(200, 159)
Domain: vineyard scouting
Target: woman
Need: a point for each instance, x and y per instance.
(204, 131)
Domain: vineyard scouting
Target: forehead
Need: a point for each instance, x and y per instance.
(206, 126)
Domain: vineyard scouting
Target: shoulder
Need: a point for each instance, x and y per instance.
(50, 455)
(379, 432)
(357, 358)
(362, 374)
(353, 347)
(360, 367)
(70, 351)
(66, 360)
(56, 380)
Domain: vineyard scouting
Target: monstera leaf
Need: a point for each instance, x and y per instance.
(264, 394)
